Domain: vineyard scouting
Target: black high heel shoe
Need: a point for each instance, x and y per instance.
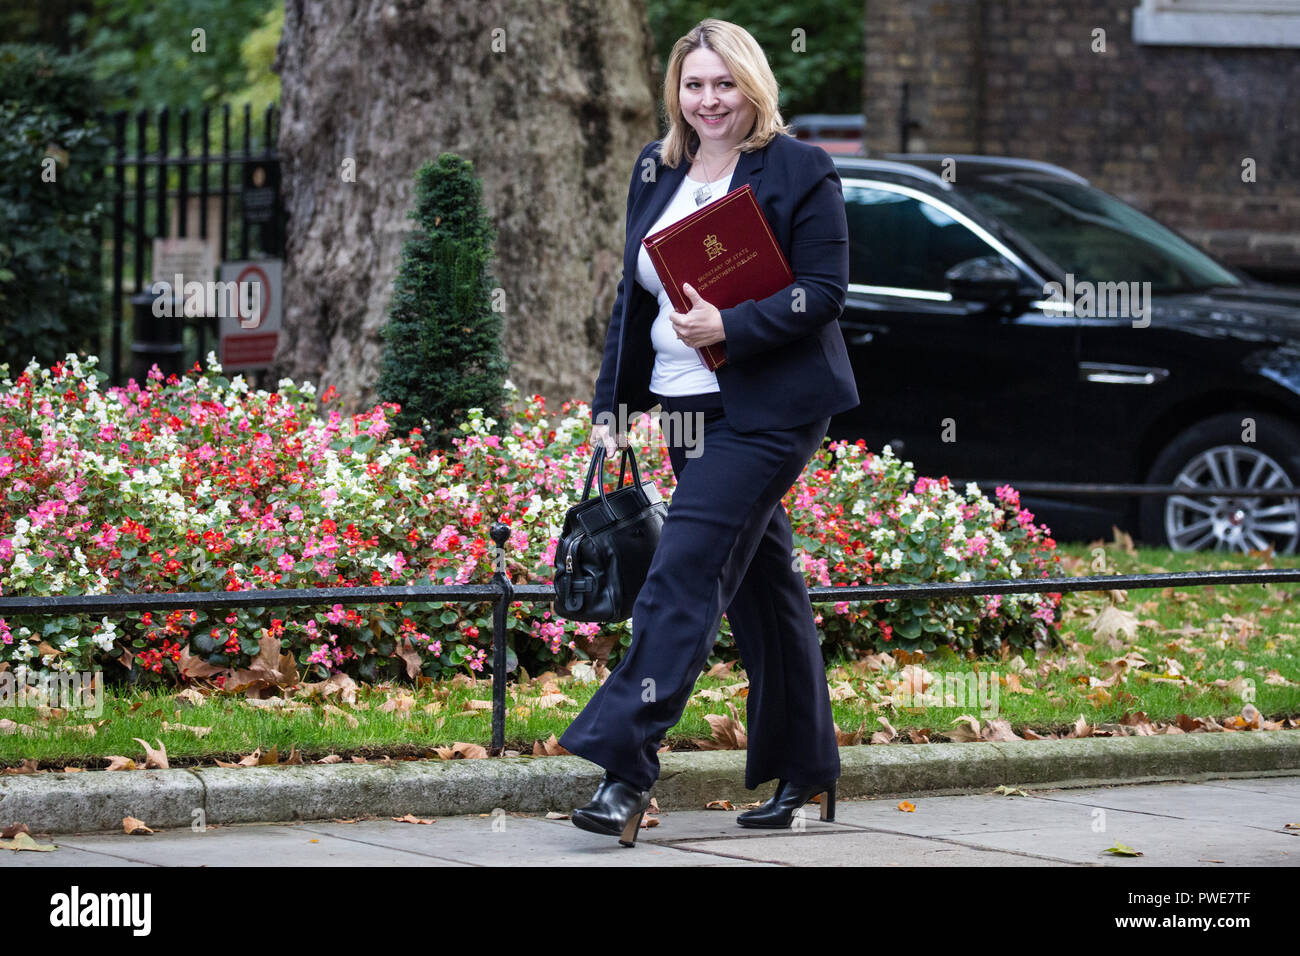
(615, 809)
(777, 812)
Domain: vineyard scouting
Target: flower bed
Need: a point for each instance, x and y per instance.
(200, 484)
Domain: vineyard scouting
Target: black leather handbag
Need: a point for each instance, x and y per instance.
(606, 545)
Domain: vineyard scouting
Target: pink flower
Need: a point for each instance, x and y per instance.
(285, 562)
(1008, 496)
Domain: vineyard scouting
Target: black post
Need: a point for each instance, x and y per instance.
(905, 122)
(500, 534)
(97, 261)
(248, 155)
(203, 217)
(163, 119)
(225, 179)
(119, 238)
(137, 227)
(183, 171)
(156, 339)
(272, 236)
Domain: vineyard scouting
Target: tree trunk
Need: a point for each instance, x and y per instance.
(551, 103)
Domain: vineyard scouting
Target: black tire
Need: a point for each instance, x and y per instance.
(1276, 450)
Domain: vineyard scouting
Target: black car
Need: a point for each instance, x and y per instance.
(1149, 362)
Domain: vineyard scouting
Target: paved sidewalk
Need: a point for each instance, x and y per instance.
(1227, 822)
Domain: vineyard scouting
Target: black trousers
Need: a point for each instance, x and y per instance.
(725, 546)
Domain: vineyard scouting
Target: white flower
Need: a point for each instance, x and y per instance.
(212, 362)
(237, 384)
(284, 383)
(859, 506)
(1015, 570)
(972, 490)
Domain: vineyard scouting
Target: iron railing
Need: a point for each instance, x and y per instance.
(502, 592)
(255, 194)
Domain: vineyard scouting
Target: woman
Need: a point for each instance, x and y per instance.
(726, 541)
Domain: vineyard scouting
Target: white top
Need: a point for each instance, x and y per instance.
(678, 369)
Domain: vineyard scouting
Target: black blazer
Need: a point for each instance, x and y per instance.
(784, 367)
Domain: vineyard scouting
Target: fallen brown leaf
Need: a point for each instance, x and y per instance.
(24, 841)
(153, 758)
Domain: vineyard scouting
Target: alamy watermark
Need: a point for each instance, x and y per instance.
(241, 300)
(680, 429)
(1114, 300)
(965, 689)
(69, 690)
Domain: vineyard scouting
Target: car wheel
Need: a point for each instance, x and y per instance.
(1212, 454)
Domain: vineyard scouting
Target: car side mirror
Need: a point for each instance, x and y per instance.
(989, 279)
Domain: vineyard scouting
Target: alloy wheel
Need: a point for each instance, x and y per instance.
(1232, 523)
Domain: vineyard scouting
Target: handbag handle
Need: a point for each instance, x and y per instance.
(597, 461)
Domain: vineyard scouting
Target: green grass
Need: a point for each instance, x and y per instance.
(1211, 633)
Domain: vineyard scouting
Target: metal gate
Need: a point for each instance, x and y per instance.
(160, 187)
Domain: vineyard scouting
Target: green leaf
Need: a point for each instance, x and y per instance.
(1119, 849)
(909, 629)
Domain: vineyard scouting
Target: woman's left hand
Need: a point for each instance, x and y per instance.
(702, 325)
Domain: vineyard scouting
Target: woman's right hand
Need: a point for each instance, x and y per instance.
(600, 433)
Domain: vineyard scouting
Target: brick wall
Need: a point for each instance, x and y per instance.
(1164, 128)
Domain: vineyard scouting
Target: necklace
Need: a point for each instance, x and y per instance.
(703, 194)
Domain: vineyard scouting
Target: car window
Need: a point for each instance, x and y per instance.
(1095, 236)
(900, 241)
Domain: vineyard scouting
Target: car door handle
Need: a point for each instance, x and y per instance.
(861, 334)
(1110, 374)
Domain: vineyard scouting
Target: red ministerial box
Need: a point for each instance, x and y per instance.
(727, 252)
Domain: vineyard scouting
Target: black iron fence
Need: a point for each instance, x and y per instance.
(1084, 489)
(501, 592)
(158, 186)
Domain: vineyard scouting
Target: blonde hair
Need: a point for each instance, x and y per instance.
(748, 66)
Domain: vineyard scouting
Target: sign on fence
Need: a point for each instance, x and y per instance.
(249, 341)
(180, 261)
